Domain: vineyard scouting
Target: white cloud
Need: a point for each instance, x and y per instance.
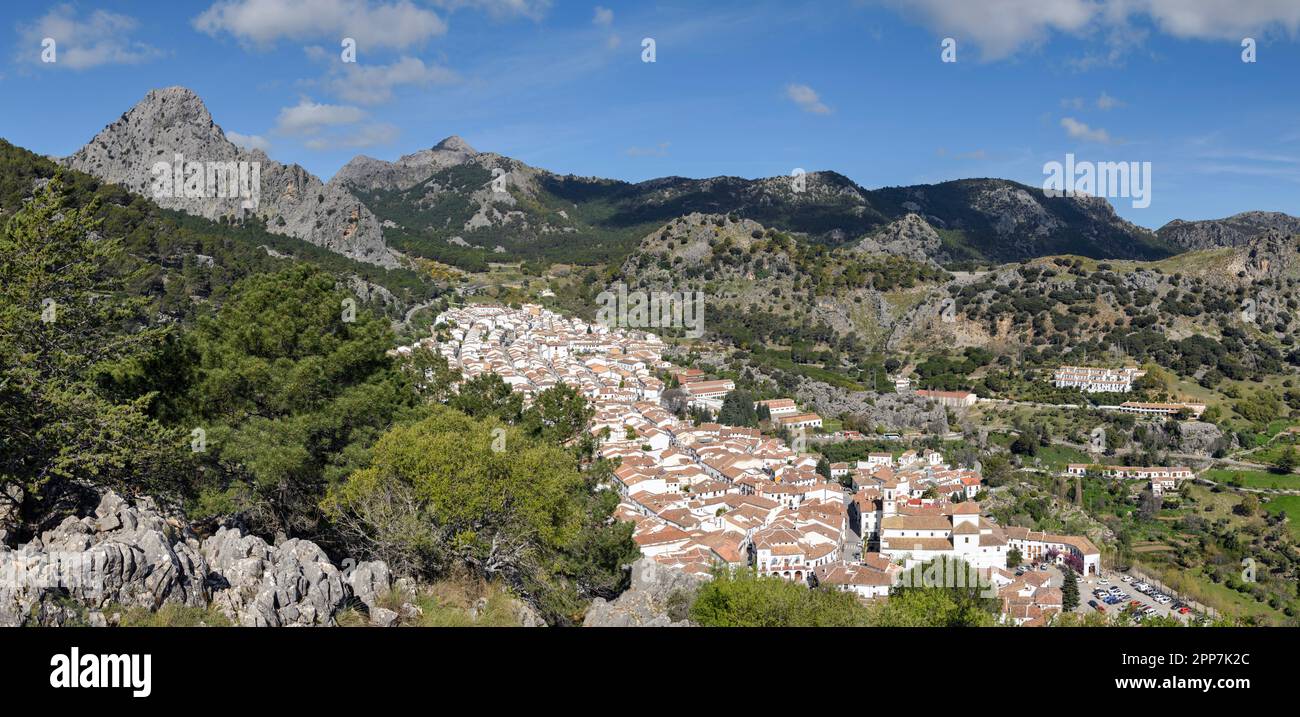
(1072, 103)
(1106, 102)
(308, 118)
(332, 126)
(99, 38)
(395, 24)
(1000, 28)
(249, 141)
(365, 136)
(531, 9)
(1214, 19)
(374, 84)
(1079, 130)
(659, 150)
(807, 98)
(604, 17)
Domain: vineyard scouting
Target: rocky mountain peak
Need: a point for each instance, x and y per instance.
(1237, 230)
(455, 144)
(137, 152)
(367, 174)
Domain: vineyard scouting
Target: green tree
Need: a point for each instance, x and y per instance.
(996, 470)
(741, 598)
(940, 593)
(1025, 445)
(430, 374)
(291, 390)
(1014, 558)
(487, 394)
(439, 495)
(1069, 591)
(1248, 506)
(1287, 461)
(558, 414)
(72, 345)
(738, 410)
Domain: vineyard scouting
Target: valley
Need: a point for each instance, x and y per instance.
(899, 323)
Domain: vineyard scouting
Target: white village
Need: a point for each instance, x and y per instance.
(711, 496)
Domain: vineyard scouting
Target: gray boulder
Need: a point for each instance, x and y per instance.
(383, 617)
(128, 555)
(256, 585)
(133, 555)
(656, 598)
(369, 581)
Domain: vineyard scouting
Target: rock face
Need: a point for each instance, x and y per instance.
(369, 581)
(291, 200)
(134, 556)
(895, 411)
(1204, 438)
(1236, 230)
(1006, 221)
(910, 236)
(370, 174)
(658, 597)
(256, 585)
(126, 555)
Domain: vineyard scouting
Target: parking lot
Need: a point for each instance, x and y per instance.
(1090, 583)
(1107, 580)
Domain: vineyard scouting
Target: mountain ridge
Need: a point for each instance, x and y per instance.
(451, 202)
(174, 121)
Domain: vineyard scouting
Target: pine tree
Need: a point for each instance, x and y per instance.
(72, 344)
(1070, 590)
(738, 410)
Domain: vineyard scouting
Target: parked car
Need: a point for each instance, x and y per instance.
(1127, 578)
(1100, 608)
(1092, 604)
(1104, 581)
(1184, 610)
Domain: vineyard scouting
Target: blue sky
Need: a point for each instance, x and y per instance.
(752, 88)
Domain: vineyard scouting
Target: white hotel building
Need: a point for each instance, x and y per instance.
(1096, 380)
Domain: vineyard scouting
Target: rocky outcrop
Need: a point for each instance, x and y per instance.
(369, 582)
(133, 555)
(911, 236)
(1236, 230)
(892, 411)
(124, 555)
(659, 596)
(1200, 437)
(257, 585)
(292, 201)
(368, 174)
